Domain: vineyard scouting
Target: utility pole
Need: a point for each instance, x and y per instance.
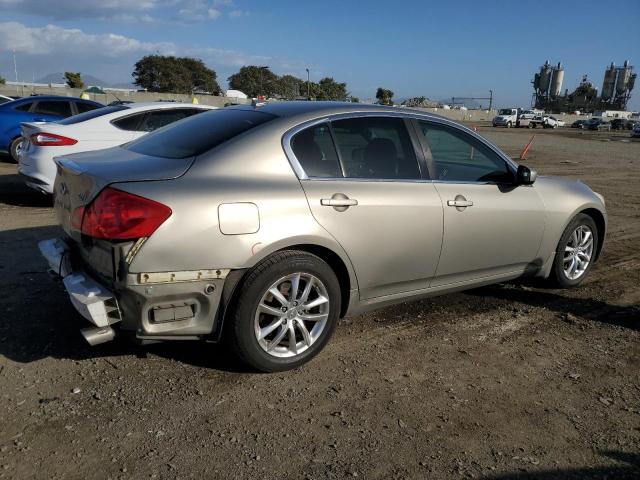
(15, 69)
(490, 99)
(308, 85)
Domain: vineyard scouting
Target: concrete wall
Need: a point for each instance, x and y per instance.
(25, 91)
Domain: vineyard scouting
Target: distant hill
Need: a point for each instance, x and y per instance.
(88, 79)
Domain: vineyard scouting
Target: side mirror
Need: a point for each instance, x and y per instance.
(525, 176)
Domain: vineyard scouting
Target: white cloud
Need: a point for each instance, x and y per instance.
(125, 11)
(48, 49)
(212, 13)
(238, 13)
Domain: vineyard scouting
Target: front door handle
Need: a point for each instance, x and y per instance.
(339, 201)
(460, 203)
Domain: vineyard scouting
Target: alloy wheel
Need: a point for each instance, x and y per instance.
(291, 315)
(578, 252)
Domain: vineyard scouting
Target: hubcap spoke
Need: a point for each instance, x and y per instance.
(277, 339)
(270, 328)
(303, 330)
(278, 296)
(292, 339)
(270, 310)
(317, 302)
(295, 284)
(313, 317)
(307, 290)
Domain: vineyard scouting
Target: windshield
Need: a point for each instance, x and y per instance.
(505, 111)
(98, 112)
(198, 134)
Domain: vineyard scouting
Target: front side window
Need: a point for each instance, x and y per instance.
(456, 156)
(58, 108)
(314, 149)
(375, 147)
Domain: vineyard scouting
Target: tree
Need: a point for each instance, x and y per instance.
(74, 80)
(329, 89)
(254, 81)
(2, 80)
(290, 87)
(384, 96)
(169, 74)
(353, 99)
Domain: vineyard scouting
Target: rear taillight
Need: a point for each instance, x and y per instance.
(118, 215)
(43, 139)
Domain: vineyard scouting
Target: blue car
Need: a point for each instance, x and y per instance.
(39, 108)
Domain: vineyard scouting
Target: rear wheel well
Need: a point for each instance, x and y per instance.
(236, 278)
(338, 267)
(598, 218)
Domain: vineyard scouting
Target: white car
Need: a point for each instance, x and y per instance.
(101, 128)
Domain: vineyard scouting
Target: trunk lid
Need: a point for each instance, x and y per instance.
(80, 177)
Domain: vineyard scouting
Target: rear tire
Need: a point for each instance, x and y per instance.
(14, 148)
(576, 252)
(261, 325)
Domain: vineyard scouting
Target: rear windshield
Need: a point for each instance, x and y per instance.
(198, 134)
(98, 112)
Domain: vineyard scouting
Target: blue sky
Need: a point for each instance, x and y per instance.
(436, 49)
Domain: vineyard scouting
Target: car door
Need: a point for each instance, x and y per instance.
(365, 186)
(492, 227)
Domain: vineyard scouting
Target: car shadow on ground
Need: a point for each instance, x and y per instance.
(13, 191)
(618, 472)
(565, 304)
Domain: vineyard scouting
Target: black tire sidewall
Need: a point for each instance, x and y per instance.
(262, 277)
(558, 263)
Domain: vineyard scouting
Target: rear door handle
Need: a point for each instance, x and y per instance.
(338, 202)
(460, 203)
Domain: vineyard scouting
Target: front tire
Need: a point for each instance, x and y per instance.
(287, 310)
(576, 252)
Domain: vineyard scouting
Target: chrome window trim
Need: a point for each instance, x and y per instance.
(301, 174)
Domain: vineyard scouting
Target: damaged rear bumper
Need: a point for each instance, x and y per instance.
(90, 299)
(154, 305)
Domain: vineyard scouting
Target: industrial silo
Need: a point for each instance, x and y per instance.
(557, 76)
(622, 83)
(545, 77)
(609, 82)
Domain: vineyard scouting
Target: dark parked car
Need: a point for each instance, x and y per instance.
(597, 124)
(622, 124)
(40, 108)
(579, 124)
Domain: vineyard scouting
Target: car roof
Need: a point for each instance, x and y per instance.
(52, 97)
(310, 109)
(162, 105)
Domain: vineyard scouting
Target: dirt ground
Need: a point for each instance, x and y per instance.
(508, 381)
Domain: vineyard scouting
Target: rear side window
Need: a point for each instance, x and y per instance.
(130, 123)
(60, 108)
(98, 112)
(86, 107)
(24, 107)
(375, 147)
(314, 149)
(198, 133)
(160, 118)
